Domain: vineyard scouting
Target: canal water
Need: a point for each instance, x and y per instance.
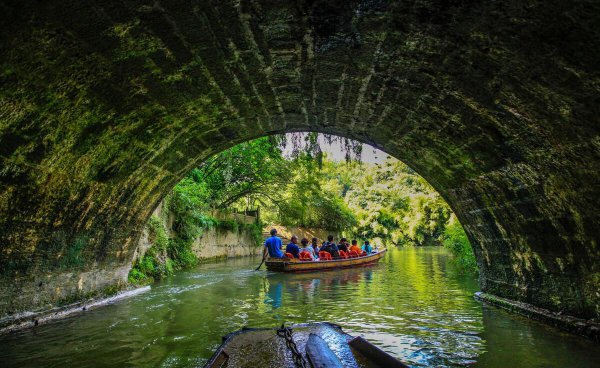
(415, 304)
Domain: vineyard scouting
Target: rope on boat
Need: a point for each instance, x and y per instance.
(286, 333)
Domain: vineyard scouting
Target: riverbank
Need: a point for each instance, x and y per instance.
(175, 239)
(25, 320)
(170, 241)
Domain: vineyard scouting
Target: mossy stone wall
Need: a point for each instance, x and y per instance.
(105, 105)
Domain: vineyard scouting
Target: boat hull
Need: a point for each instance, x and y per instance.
(295, 265)
(265, 347)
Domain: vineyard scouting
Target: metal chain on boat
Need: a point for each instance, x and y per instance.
(286, 333)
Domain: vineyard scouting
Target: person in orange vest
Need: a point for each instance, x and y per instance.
(355, 247)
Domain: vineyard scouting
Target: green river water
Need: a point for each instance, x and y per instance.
(415, 304)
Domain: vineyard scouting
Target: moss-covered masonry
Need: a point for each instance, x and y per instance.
(105, 105)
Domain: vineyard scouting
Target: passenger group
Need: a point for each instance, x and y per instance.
(312, 252)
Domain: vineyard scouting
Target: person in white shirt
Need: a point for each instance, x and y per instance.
(305, 247)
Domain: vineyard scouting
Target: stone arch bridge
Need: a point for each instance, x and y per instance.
(106, 105)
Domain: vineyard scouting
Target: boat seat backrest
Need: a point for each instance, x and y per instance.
(325, 256)
(305, 256)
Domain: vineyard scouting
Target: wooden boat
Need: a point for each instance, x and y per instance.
(296, 265)
(316, 344)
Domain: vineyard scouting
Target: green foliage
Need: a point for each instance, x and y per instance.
(317, 209)
(155, 264)
(167, 255)
(230, 225)
(188, 207)
(158, 232)
(456, 240)
(147, 265)
(256, 174)
(390, 201)
(249, 172)
(307, 200)
(181, 254)
(255, 232)
(136, 276)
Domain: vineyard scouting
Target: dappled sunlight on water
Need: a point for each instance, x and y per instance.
(414, 304)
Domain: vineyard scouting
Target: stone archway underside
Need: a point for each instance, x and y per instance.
(104, 106)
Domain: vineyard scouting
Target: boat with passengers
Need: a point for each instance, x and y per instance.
(289, 264)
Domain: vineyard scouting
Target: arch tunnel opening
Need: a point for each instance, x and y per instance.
(316, 184)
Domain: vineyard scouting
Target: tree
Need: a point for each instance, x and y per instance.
(391, 202)
(250, 172)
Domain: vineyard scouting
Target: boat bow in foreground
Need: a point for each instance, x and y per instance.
(314, 345)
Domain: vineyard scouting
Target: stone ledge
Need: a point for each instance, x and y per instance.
(32, 319)
(582, 327)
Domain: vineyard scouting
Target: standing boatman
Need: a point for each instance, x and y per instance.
(273, 246)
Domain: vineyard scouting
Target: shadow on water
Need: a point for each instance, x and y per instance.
(414, 304)
(514, 341)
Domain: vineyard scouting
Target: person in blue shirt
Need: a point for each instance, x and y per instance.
(367, 247)
(293, 247)
(330, 247)
(273, 246)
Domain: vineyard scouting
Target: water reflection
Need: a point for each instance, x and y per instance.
(274, 295)
(304, 286)
(415, 304)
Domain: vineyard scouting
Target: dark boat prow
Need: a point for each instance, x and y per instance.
(218, 361)
(374, 354)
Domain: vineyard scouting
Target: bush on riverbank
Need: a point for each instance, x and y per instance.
(455, 239)
(155, 263)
